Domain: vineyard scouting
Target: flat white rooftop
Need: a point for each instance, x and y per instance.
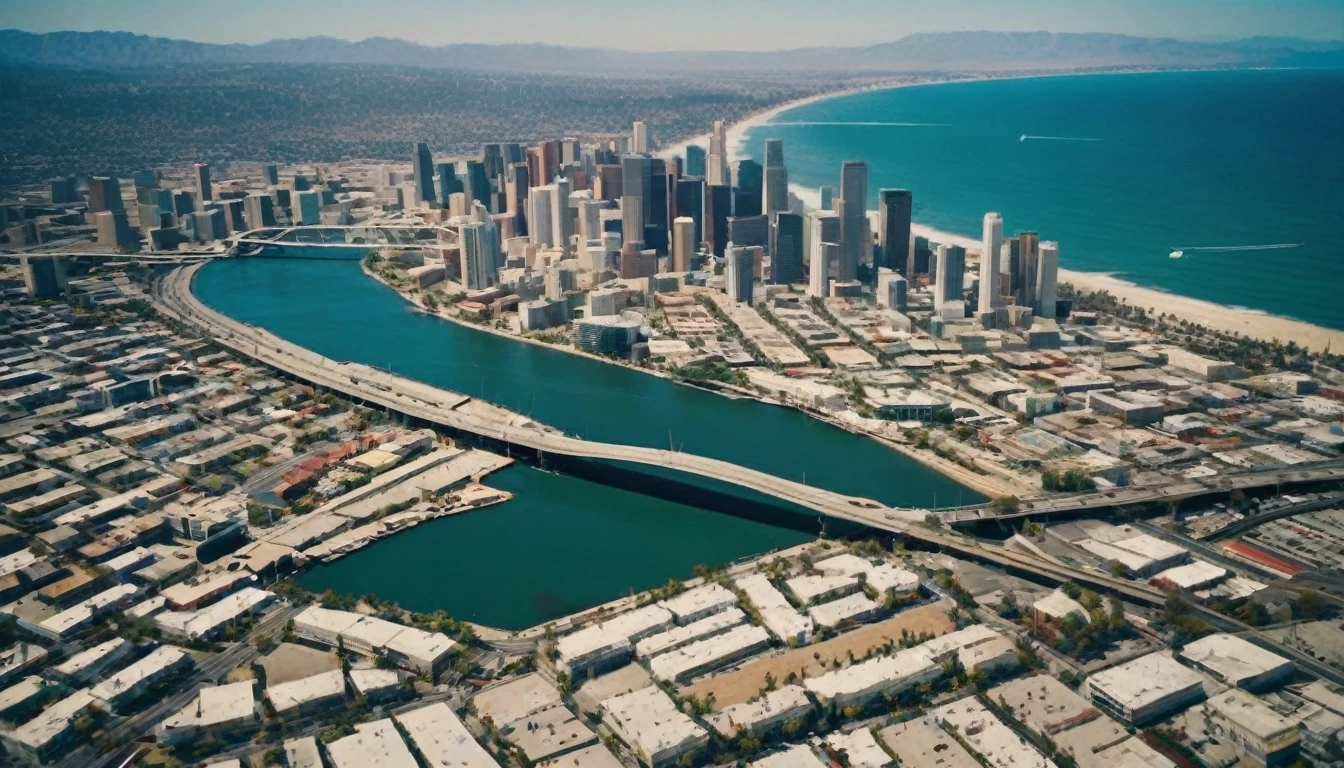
(796, 756)
(860, 748)
(516, 699)
(216, 705)
(441, 738)
(649, 721)
(1145, 680)
(713, 624)
(811, 588)
(836, 612)
(984, 733)
(776, 613)
(1233, 659)
(778, 705)
(1251, 714)
(306, 690)
(706, 654)
(880, 576)
(376, 743)
(707, 598)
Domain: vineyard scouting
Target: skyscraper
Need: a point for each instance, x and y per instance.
(477, 183)
(893, 233)
(1047, 279)
(309, 208)
(691, 203)
(786, 264)
(747, 231)
(737, 273)
(549, 153)
(684, 243)
(479, 250)
(610, 183)
(716, 163)
(1023, 274)
(639, 138)
(182, 202)
(991, 243)
(105, 194)
(855, 233)
(448, 182)
(695, 160)
(818, 277)
(827, 195)
(637, 181)
(824, 227)
(204, 191)
(748, 180)
(492, 156)
(259, 209)
(632, 221)
(949, 275)
(64, 190)
(271, 173)
(562, 219)
(775, 181)
(718, 207)
(540, 229)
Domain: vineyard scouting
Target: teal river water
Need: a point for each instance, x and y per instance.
(563, 543)
(1180, 159)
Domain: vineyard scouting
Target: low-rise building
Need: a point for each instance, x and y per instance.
(1259, 733)
(1055, 607)
(1238, 662)
(977, 647)
(656, 730)
(776, 613)
(672, 639)
(600, 647)
(425, 652)
(220, 711)
(858, 684)
(817, 588)
(1142, 690)
(88, 665)
(52, 731)
(376, 743)
(710, 653)
(850, 609)
(884, 577)
(307, 694)
(921, 743)
(860, 749)
(794, 756)
(212, 620)
(303, 753)
(442, 739)
(989, 737)
(699, 602)
(763, 714)
(375, 685)
(120, 691)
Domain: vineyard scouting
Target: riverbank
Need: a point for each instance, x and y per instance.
(989, 485)
(1222, 318)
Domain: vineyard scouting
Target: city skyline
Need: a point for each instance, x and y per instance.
(790, 24)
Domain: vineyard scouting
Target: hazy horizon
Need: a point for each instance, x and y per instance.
(700, 25)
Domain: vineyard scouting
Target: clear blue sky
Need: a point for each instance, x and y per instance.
(671, 24)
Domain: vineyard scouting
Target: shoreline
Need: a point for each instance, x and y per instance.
(1252, 323)
(986, 485)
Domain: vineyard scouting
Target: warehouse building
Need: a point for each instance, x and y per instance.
(1143, 690)
(440, 738)
(762, 715)
(777, 614)
(709, 654)
(1238, 662)
(220, 711)
(416, 649)
(598, 648)
(1259, 733)
(656, 730)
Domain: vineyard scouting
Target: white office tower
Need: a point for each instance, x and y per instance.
(716, 162)
(892, 289)
(1047, 279)
(540, 227)
(819, 275)
(632, 219)
(639, 138)
(990, 245)
(683, 243)
(480, 250)
(562, 220)
(737, 273)
(822, 227)
(775, 179)
(590, 219)
(856, 235)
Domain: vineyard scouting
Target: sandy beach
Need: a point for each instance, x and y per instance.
(1248, 322)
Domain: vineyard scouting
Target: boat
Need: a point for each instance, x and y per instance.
(1176, 254)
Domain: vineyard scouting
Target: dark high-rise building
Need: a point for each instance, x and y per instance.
(610, 182)
(477, 183)
(64, 190)
(856, 240)
(786, 263)
(746, 231)
(512, 152)
(43, 278)
(893, 231)
(1023, 276)
(271, 173)
(302, 183)
(105, 194)
(424, 173)
(235, 215)
(204, 191)
(448, 181)
(183, 202)
(695, 160)
(691, 203)
(658, 201)
(749, 181)
(493, 157)
(145, 179)
(921, 257)
(549, 152)
(520, 184)
(718, 207)
(637, 181)
(260, 211)
(776, 180)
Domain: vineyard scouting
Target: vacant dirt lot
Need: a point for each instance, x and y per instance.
(747, 681)
(290, 661)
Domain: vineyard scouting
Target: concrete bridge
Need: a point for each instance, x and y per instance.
(404, 235)
(461, 413)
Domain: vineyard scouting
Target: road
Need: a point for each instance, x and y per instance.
(173, 296)
(239, 654)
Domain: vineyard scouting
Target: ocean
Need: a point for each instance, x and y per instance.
(1120, 169)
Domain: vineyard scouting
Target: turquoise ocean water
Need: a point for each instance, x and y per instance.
(1141, 164)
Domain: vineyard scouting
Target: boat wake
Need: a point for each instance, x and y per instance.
(1177, 253)
(1026, 137)
(887, 125)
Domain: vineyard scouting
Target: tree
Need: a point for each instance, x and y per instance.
(1005, 505)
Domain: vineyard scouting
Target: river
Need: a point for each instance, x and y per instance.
(519, 563)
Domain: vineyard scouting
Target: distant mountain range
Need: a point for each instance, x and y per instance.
(927, 51)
